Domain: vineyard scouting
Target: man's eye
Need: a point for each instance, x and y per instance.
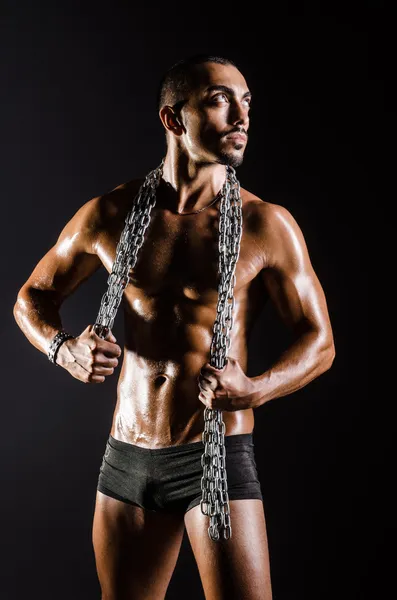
(217, 96)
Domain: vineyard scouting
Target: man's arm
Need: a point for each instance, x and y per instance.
(65, 266)
(296, 292)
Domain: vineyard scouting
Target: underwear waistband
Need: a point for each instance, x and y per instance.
(230, 441)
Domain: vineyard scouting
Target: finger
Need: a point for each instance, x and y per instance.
(106, 361)
(100, 370)
(210, 377)
(212, 382)
(212, 369)
(107, 344)
(201, 386)
(85, 376)
(206, 370)
(110, 337)
(204, 383)
(207, 394)
(203, 398)
(109, 348)
(208, 385)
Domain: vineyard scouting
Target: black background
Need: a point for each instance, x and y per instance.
(78, 118)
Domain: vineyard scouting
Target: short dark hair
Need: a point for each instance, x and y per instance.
(176, 83)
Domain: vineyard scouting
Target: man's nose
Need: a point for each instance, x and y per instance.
(239, 115)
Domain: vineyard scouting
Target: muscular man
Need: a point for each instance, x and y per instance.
(149, 484)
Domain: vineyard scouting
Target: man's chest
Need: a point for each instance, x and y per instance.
(180, 255)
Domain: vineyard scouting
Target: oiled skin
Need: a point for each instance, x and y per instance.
(170, 305)
(170, 309)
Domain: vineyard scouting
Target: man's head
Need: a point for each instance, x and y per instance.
(202, 101)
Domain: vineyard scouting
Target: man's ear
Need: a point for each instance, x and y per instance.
(171, 121)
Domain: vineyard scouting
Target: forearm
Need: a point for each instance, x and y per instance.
(38, 317)
(307, 358)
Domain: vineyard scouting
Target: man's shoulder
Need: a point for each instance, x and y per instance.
(115, 201)
(100, 212)
(273, 228)
(103, 214)
(262, 213)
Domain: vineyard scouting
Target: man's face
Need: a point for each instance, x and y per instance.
(217, 109)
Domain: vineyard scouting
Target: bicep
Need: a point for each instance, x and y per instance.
(290, 279)
(71, 260)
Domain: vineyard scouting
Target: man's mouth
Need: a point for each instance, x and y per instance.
(237, 136)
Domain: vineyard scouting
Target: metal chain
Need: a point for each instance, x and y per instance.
(215, 500)
(127, 249)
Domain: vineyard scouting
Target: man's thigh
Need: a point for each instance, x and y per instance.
(136, 550)
(238, 567)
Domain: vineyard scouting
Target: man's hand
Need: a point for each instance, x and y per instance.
(228, 388)
(88, 357)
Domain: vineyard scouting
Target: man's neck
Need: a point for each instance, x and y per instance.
(188, 186)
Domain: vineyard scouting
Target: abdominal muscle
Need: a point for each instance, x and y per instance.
(157, 392)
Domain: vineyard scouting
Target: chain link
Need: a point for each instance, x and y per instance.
(215, 500)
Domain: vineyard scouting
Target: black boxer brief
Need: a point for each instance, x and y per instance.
(169, 479)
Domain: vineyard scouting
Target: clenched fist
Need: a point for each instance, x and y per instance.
(88, 357)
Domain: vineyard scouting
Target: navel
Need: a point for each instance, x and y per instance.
(160, 379)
